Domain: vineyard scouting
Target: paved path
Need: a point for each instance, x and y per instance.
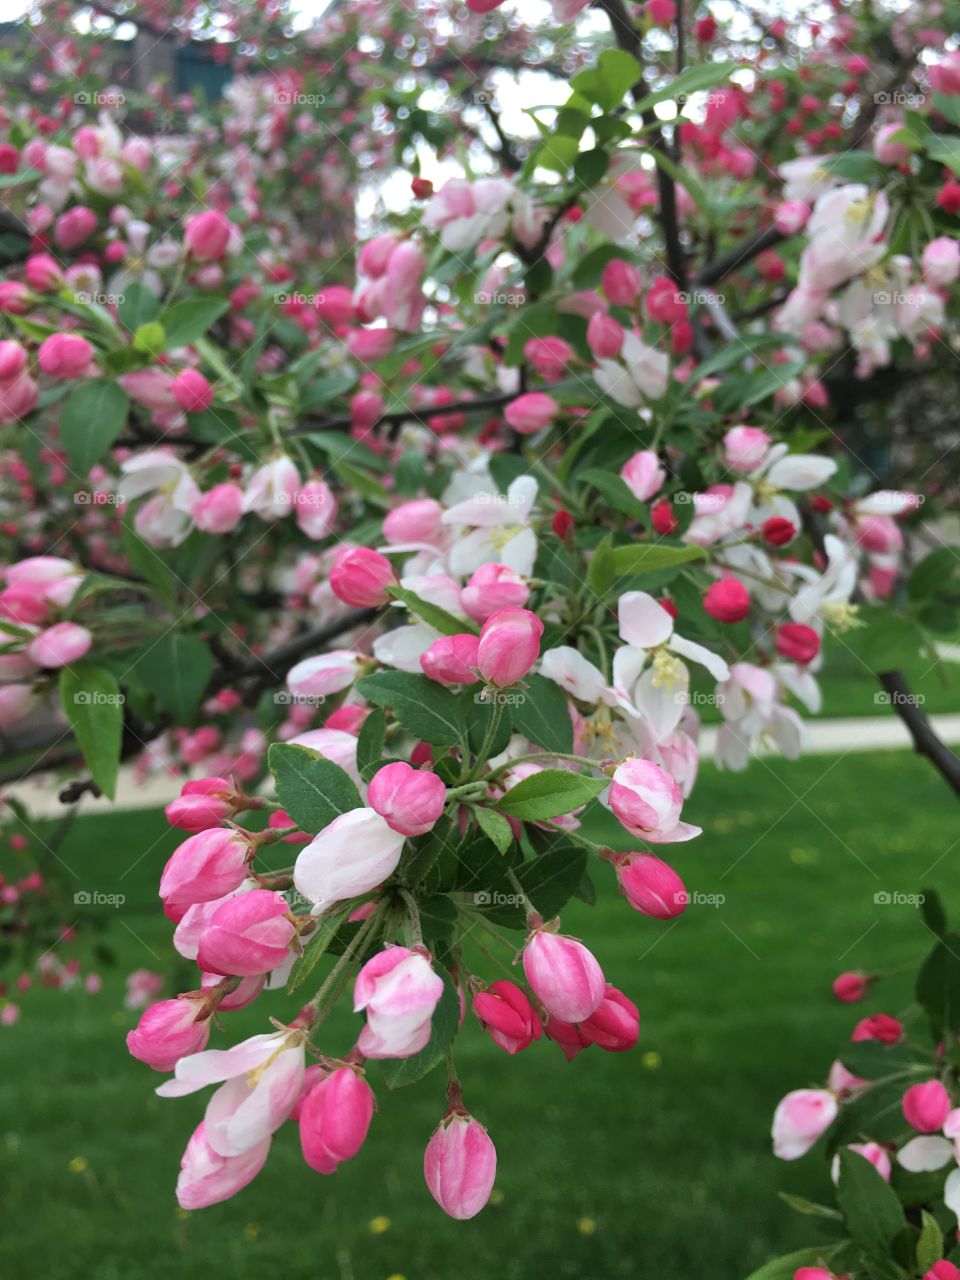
(823, 737)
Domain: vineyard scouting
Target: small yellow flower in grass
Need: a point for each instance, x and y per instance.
(379, 1225)
(651, 1060)
(79, 1164)
(586, 1226)
(396, 1276)
(251, 1231)
(496, 1196)
(804, 857)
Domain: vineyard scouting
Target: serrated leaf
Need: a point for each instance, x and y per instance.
(495, 827)
(549, 794)
(370, 742)
(317, 945)
(544, 715)
(310, 788)
(872, 1211)
(93, 705)
(190, 319)
(930, 1244)
(423, 707)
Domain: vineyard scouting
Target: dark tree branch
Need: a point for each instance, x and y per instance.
(739, 256)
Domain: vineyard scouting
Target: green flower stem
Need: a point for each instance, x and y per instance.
(340, 969)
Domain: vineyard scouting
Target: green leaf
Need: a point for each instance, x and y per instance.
(801, 1205)
(683, 178)
(150, 338)
(311, 789)
(854, 166)
(887, 640)
(186, 321)
(323, 391)
(785, 1268)
(948, 106)
(945, 148)
(370, 743)
(549, 794)
(591, 166)
(938, 984)
(647, 557)
(933, 573)
(691, 80)
(873, 1213)
(930, 1244)
(93, 705)
(600, 572)
(495, 827)
(478, 705)
(932, 912)
(398, 1072)
(139, 306)
(92, 417)
(615, 490)
(148, 563)
(176, 669)
(423, 707)
(543, 715)
(432, 614)
(318, 943)
(873, 1060)
(551, 880)
(608, 83)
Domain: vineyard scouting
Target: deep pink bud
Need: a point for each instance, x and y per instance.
(664, 303)
(205, 867)
(531, 412)
(168, 1031)
(42, 272)
(202, 804)
(797, 642)
(191, 390)
(925, 1106)
(248, 935)
(568, 1036)
(450, 659)
(508, 1015)
(647, 800)
(509, 646)
(652, 887)
(614, 1025)
(878, 1026)
(206, 1177)
(74, 226)
(621, 282)
(493, 587)
(411, 800)
(851, 987)
(727, 600)
(417, 521)
(604, 336)
(564, 974)
(334, 1118)
(60, 644)
(207, 235)
(219, 510)
(359, 577)
(13, 359)
(942, 1270)
(64, 355)
(460, 1164)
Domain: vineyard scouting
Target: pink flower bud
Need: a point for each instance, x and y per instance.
(13, 359)
(64, 355)
(242, 995)
(531, 412)
(509, 646)
(925, 1106)
(493, 587)
(508, 1015)
(943, 1270)
(643, 475)
(621, 282)
(208, 865)
(797, 642)
(452, 659)
(207, 235)
(801, 1117)
(14, 298)
(460, 1165)
(42, 272)
(168, 1031)
(219, 510)
(399, 991)
(614, 1025)
(664, 303)
(359, 577)
(651, 886)
(648, 802)
(727, 600)
(207, 1178)
(16, 702)
(878, 1026)
(335, 305)
(334, 1119)
(370, 344)
(74, 226)
(813, 1273)
(568, 1036)
(885, 149)
(353, 854)
(192, 392)
(410, 800)
(202, 804)
(851, 987)
(60, 644)
(417, 521)
(248, 935)
(604, 336)
(744, 448)
(316, 509)
(941, 262)
(564, 974)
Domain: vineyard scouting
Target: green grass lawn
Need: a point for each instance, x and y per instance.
(653, 1165)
